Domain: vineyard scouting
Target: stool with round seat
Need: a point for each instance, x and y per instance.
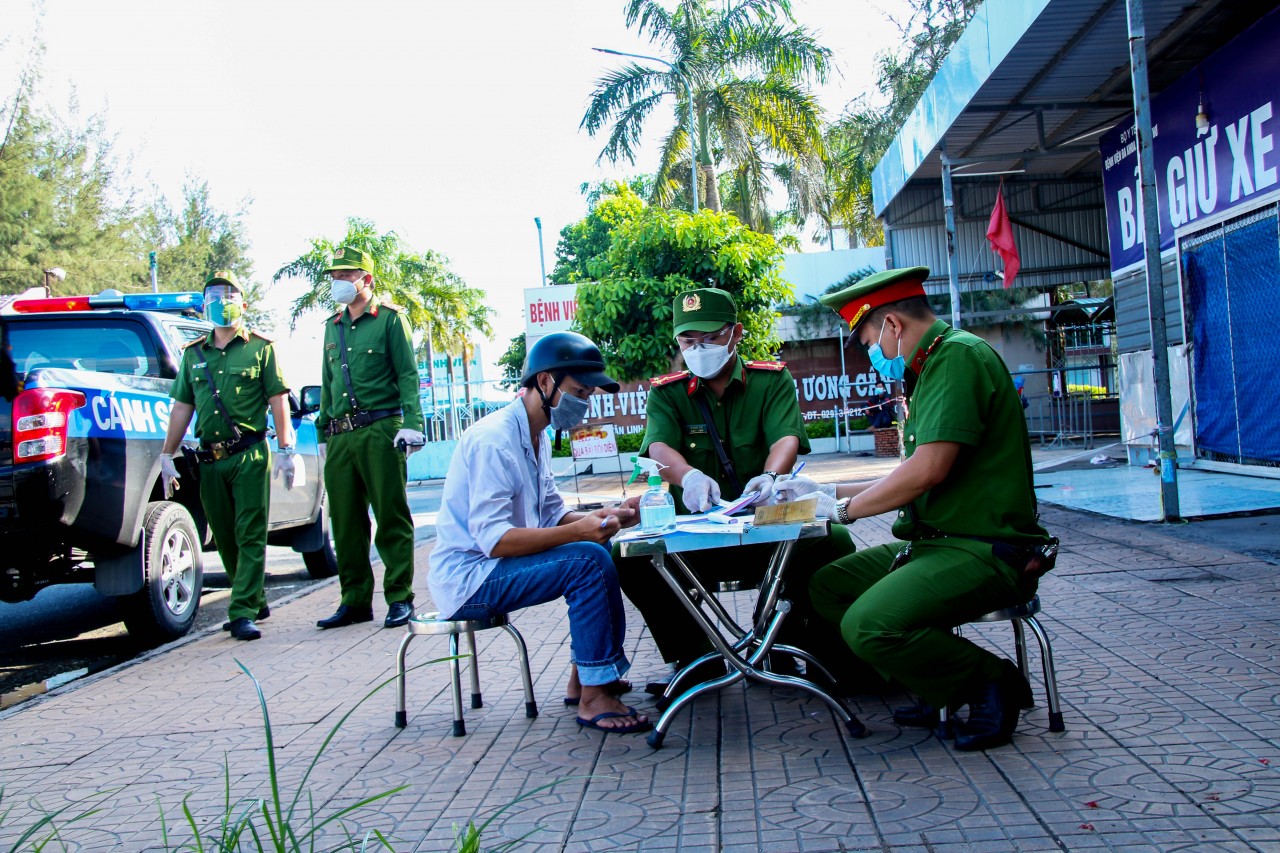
(429, 623)
(1020, 615)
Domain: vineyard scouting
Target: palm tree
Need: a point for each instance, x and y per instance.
(438, 304)
(433, 297)
(746, 67)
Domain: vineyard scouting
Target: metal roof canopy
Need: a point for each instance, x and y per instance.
(1031, 84)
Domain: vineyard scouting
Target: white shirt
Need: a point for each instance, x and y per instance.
(496, 482)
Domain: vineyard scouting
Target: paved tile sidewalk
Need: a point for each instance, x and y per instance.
(1168, 657)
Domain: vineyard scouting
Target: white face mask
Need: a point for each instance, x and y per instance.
(707, 360)
(342, 292)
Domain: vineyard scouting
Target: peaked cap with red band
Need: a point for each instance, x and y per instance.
(855, 302)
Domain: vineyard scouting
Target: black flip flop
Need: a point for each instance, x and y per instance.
(620, 687)
(594, 722)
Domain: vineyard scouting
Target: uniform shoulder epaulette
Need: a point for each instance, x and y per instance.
(667, 379)
(767, 365)
(333, 318)
(261, 336)
(190, 344)
(391, 306)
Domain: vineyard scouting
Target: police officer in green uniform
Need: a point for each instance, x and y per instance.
(965, 505)
(227, 379)
(748, 411)
(369, 420)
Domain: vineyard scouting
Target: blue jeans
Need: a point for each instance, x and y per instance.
(581, 573)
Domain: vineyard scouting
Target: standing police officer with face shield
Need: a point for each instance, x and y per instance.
(227, 379)
(369, 409)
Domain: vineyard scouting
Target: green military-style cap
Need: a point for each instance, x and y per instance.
(856, 301)
(350, 258)
(226, 277)
(706, 309)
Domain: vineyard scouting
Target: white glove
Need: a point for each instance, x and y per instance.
(412, 439)
(291, 466)
(797, 487)
(169, 475)
(762, 484)
(700, 491)
(826, 506)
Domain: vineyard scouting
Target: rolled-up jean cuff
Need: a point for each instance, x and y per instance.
(599, 673)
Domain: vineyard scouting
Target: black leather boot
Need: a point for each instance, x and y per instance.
(921, 715)
(994, 709)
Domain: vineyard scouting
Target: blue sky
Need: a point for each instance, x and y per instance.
(452, 123)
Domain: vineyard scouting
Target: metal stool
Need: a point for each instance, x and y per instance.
(1026, 613)
(429, 623)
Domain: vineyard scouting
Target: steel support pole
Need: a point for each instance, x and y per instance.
(949, 209)
(1170, 509)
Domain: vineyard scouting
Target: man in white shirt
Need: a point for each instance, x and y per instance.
(505, 540)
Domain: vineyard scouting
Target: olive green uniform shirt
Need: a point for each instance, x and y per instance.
(384, 371)
(246, 374)
(758, 408)
(959, 390)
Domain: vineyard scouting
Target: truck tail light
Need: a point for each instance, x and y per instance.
(40, 420)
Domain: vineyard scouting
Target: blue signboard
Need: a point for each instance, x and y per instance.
(1200, 171)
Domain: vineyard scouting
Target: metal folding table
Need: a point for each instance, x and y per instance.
(744, 650)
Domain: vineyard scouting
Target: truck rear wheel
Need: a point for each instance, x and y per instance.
(173, 574)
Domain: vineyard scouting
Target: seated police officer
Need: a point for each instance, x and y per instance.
(723, 428)
(966, 506)
(227, 379)
(505, 539)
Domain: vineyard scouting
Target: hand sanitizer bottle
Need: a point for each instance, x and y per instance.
(657, 509)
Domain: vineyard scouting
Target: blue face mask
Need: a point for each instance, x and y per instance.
(889, 368)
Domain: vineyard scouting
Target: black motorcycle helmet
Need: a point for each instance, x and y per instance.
(567, 353)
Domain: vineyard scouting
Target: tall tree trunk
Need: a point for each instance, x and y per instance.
(713, 191)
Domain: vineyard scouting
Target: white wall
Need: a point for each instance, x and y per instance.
(810, 273)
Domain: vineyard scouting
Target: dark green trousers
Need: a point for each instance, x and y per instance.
(363, 469)
(235, 493)
(678, 636)
(901, 622)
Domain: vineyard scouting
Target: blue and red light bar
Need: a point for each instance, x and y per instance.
(191, 301)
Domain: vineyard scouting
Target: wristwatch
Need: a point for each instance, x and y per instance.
(842, 512)
(773, 474)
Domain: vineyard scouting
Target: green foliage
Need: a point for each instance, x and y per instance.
(855, 143)
(66, 202)
(280, 823)
(48, 827)
(511, 363)
(746, 67)
(813, 319)
(823, 428)
(655, 256)
(583, 244)
(436, 301)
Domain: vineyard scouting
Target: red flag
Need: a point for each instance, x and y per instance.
(1000, 236)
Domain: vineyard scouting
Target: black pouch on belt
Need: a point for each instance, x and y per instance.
(192, 463)
(1033, 562)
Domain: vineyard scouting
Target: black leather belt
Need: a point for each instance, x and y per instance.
(220, 450)
(348, 423)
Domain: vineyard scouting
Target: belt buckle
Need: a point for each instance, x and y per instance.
(347, 425)
(219, 451)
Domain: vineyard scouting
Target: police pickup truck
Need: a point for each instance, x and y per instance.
(80, 494)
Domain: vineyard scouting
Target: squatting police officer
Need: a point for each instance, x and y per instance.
(227, 379)
(368, 410)
(723, 428)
